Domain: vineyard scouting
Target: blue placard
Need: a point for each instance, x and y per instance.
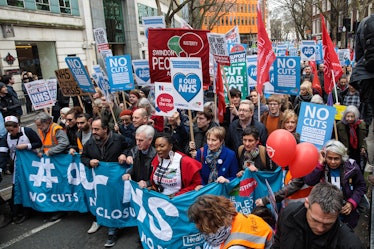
(142, 72)
(281, 50)
(285, 76)
(80, 74)
(119, 70)
(308, 50)
(315, 123)
(319, 53)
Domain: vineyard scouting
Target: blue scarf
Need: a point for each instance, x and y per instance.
(211, 160)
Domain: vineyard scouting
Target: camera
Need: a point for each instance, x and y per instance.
(160, 188)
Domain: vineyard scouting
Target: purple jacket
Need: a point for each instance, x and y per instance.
(351, 181)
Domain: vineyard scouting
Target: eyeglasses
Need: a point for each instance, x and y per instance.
(69, 119)
(243, 110)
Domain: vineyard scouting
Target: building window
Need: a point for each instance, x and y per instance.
(42, 5)
(144, 11)
(65, 6)
(16, 3)
(114, 21)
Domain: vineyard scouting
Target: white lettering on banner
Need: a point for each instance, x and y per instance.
(117, 62)
(315, 123)
(44, 165)
(149, 242)
(322, 113)
(116, 213)
(193, 239)
(64, 197)
(81, 177)
(161, 63)
(316, 117)
(245, 206)
(56, 198)
(38, 197)
(165, 232)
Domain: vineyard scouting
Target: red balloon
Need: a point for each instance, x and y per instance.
(305, 160)
(281, 147)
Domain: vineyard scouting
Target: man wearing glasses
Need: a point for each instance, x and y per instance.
(245, 114)
(273, 118)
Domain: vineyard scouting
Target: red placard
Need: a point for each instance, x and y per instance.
(166, 43)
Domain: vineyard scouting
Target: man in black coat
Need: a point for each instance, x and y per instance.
(107, 146)
(315, 223)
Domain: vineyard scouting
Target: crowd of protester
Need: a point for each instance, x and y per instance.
(129, 131)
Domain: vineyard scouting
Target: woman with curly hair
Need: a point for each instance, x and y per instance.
(223, 227)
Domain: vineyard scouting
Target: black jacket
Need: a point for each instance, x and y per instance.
(113, 148)
(12, 105)
(141, 170)
(293, 232)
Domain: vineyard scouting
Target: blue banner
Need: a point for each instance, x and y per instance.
(43, 183)
(109, 199)
(252, 186)
(80, 74)
(119, 70)
(63, 183)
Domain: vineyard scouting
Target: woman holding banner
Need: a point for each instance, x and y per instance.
(335, 167)
(252, 155)
(174, 173)
(219, 163)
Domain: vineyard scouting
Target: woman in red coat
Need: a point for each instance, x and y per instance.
(174, 173)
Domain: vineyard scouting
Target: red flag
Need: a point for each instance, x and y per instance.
(315, 84)
(265, 56)
(220, 95)
(330, 59)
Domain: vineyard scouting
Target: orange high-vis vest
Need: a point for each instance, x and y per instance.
(80, 145)
(49, 140)
(301, 193)
(250, 231)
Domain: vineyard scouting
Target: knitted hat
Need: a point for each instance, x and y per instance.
(125, 112)
(2, 85)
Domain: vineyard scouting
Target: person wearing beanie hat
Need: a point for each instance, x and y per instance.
(126, 128)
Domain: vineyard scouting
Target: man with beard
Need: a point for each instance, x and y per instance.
(106, 146)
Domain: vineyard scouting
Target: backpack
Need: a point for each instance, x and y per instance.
(368, 31)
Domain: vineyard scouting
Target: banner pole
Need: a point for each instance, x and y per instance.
(124, 99)
(191, 126)
(81, 103)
